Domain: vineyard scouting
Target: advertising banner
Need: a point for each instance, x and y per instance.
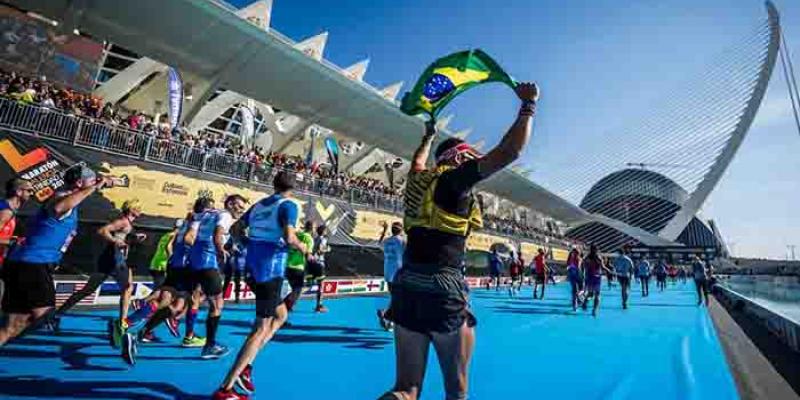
(175, 96)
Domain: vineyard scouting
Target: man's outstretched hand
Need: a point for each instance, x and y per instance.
(527, 91)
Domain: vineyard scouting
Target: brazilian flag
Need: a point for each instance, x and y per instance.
(448, 77)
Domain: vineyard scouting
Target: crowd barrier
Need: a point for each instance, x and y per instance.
(108, 293)
(785, 330)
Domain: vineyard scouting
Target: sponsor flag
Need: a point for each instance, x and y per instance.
(450, 76)
(333, 152)
(247, 132)
(175, 93)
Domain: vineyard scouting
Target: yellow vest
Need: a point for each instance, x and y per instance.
(422, 211)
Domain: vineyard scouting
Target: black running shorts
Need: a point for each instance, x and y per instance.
(268, 297)
(296, 278)
(430, 302)
(209, 280)
(315, 269)
(179, 279)
(27, 287)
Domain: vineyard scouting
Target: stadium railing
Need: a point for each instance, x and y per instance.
(104, 136)
(85, 132)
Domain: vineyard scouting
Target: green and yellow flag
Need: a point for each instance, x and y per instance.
(448, 77)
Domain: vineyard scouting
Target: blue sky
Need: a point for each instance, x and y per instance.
(599, 64)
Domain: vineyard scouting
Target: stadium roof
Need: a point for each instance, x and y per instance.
(210, 40)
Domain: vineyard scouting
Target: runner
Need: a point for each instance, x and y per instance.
(495, 270)
(296, 264)
(112, 261)
(661, 274)
(643, 272)
(593, 267)
(234, 267)
(173, 301)
(623, 269)
(272, 232)
(207, 236)
(682, 274)
(316, 265)
(540, 272)
(672, 272)
(700, 271)
(158, 264)
(30, 291)
(429, 304)
(18, 191)
(609, 274)
(575, 276)
(516, 265)
(393, 249)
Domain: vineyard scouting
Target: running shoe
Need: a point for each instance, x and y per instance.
(119, 329)
(129, 349)
(173, 325)
(194, 341)
(214, 352)
(148, 337)
(244, 381)
(321, 309)
(222, 394)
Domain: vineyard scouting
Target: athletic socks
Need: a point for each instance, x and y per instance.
(191, 316)
(143, 313)
(211, 330)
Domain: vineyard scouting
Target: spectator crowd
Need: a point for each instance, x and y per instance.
(176, 145)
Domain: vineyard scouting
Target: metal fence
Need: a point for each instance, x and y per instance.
(104, 136)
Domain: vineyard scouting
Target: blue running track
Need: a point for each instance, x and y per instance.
(662, 347)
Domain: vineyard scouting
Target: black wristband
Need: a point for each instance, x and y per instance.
(528, 108)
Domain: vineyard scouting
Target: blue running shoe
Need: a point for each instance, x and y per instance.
(129, 349)
(214, 352)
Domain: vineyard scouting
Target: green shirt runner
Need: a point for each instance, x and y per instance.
(296, 259)
(159, 260)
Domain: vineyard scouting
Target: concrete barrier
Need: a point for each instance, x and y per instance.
(783, 328)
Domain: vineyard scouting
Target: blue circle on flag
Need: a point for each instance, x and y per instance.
(437, 87)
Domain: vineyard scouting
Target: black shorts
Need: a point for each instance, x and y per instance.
(624, 280)
(296, 278)
(158, 278)
(209, 280)
(268, 297)
(27, 287)
(428, 303)
(179, 279)
(315, 269)
(541, 278)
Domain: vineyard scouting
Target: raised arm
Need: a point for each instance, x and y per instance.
(385, 226)
(65, 204)
(419, 161)
(515, 140)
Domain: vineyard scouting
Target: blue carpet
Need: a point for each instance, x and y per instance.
(663, 347)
